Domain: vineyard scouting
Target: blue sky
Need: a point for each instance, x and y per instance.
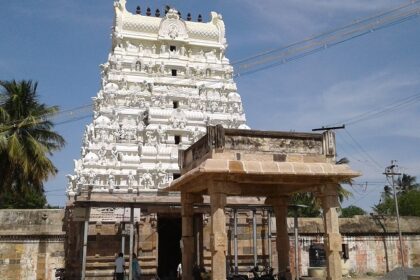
(61, 44)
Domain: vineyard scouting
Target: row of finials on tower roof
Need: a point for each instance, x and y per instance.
(157, 13)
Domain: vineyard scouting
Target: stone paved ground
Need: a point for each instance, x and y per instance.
(396, 274)
(364, 278)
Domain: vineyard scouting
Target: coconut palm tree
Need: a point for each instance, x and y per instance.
(26, 139)
(313, 204)
(406, 183)
(407, 190)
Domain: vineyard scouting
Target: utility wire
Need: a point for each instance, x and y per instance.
(363, 150)
(74, 119)
(320, 42)
(396, 105)
(364, 160)
(272, 58)
(372, 17)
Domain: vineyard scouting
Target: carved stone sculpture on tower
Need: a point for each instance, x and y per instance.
(147, 181)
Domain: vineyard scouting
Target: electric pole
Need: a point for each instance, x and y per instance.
(390, 172)
(325, 128)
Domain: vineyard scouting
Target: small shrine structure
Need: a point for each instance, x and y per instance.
(274, 165)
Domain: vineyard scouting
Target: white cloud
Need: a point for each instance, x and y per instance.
(348, 99)
(303, 18)
(355, 97)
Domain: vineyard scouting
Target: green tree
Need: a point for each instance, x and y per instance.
(313, 208)
(406, 183)
(29, 199)
(27, 140)
(351, 211)
(409, 203)
(408, 194)
(385, 206)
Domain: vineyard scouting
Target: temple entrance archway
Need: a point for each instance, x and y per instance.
(169, 251)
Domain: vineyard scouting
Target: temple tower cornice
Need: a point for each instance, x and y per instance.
(170, 27)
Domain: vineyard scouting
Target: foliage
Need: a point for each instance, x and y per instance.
(313, 204)
(408, 195)
(406, 183)
(313, 208)
(351, 211)
(408, 204)
(26, 140)
(30, 199)
(385, 206)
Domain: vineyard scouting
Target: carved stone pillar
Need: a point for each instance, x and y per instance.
(187, 213)
(218, 236)
(332, 240)
(280, 204)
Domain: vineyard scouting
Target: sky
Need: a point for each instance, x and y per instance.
(61, 44)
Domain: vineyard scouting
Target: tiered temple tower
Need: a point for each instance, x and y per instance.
(165, 80)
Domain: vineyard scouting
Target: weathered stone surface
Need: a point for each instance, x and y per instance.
(31, 244)
(278, 144)
(26, 255)
(23, 222)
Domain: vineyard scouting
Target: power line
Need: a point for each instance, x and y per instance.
(272, 58)
(322, 41)
(396, 105)
(364, 160)
(363, 150)
(74, 119)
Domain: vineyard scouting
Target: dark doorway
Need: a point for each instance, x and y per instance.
(169, 230)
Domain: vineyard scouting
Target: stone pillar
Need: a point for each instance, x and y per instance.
(218, 236)
(332, 240)
(187, 213)
(198, 243)
(280, 204)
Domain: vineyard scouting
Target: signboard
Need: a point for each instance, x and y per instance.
(79, 214)
(106, 214)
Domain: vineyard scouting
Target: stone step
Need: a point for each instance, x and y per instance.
(112, 258)
(107, 274)
(102, 265)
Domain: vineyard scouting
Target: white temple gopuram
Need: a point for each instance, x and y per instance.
(165, 80)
